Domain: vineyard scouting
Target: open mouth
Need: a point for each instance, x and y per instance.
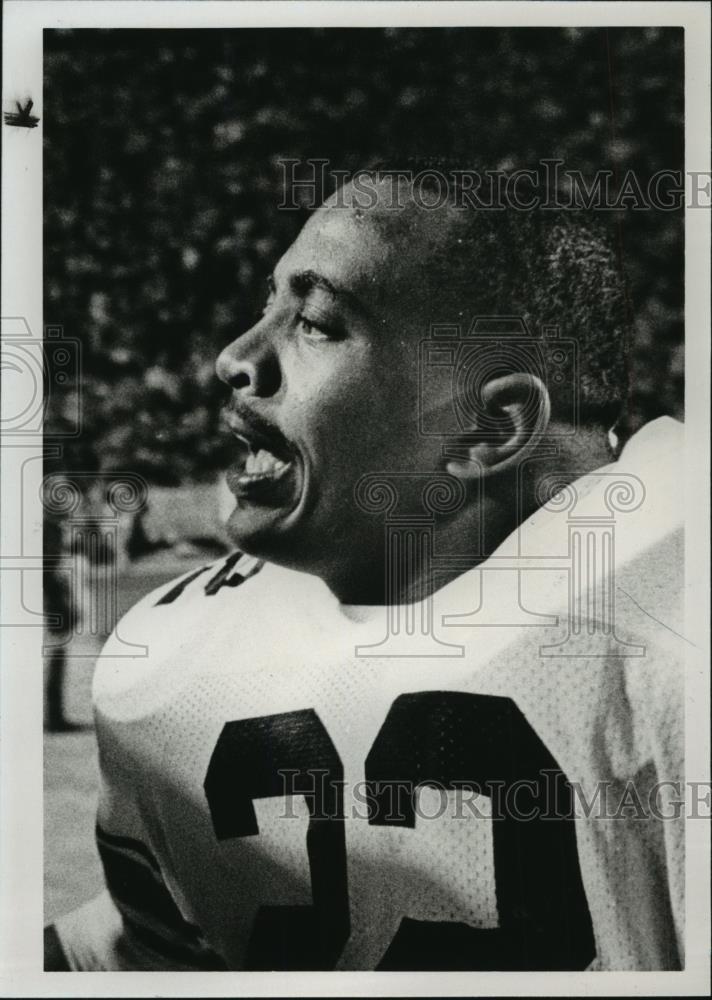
(266, 469)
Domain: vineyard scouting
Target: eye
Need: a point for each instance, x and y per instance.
(314, 330)
(318, 329)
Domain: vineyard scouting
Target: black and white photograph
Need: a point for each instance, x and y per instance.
(355, 543)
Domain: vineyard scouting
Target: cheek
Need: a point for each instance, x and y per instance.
(360, 414)
(371, 427)
(346, 428)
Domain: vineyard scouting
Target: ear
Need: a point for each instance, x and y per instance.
(515, 412)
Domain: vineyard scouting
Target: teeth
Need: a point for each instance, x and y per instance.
(263, 463)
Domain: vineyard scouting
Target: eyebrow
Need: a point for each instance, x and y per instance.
(302, 282)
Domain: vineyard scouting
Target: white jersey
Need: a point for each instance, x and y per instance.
(289, 783)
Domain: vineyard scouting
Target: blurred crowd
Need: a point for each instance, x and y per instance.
(163, 177)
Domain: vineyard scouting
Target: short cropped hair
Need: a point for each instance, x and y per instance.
(553, 267)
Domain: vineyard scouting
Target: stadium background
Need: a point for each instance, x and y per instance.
(162, 180)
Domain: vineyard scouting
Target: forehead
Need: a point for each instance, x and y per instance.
(382, 255)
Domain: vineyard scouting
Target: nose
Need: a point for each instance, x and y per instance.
(250, 364)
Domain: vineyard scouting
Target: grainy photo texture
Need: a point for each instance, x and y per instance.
(363, 544)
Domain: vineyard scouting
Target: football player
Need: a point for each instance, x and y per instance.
(428, 716)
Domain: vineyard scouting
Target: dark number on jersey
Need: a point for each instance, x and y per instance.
(445, 739)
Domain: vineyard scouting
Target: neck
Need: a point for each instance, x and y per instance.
(408, 563)
(411, 562)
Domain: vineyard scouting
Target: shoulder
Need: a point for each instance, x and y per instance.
(213, 616)
(198, 585)
(166, 618)
(193, 591)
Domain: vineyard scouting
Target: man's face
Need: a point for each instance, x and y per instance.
(325, 386)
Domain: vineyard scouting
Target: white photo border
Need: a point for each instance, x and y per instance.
(21, 715)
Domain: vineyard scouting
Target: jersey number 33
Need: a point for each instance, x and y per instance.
(445, 739)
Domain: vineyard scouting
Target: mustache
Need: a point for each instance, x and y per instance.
(238, 417)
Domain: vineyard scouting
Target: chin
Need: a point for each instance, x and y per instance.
(251, 533)
(262, 533)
